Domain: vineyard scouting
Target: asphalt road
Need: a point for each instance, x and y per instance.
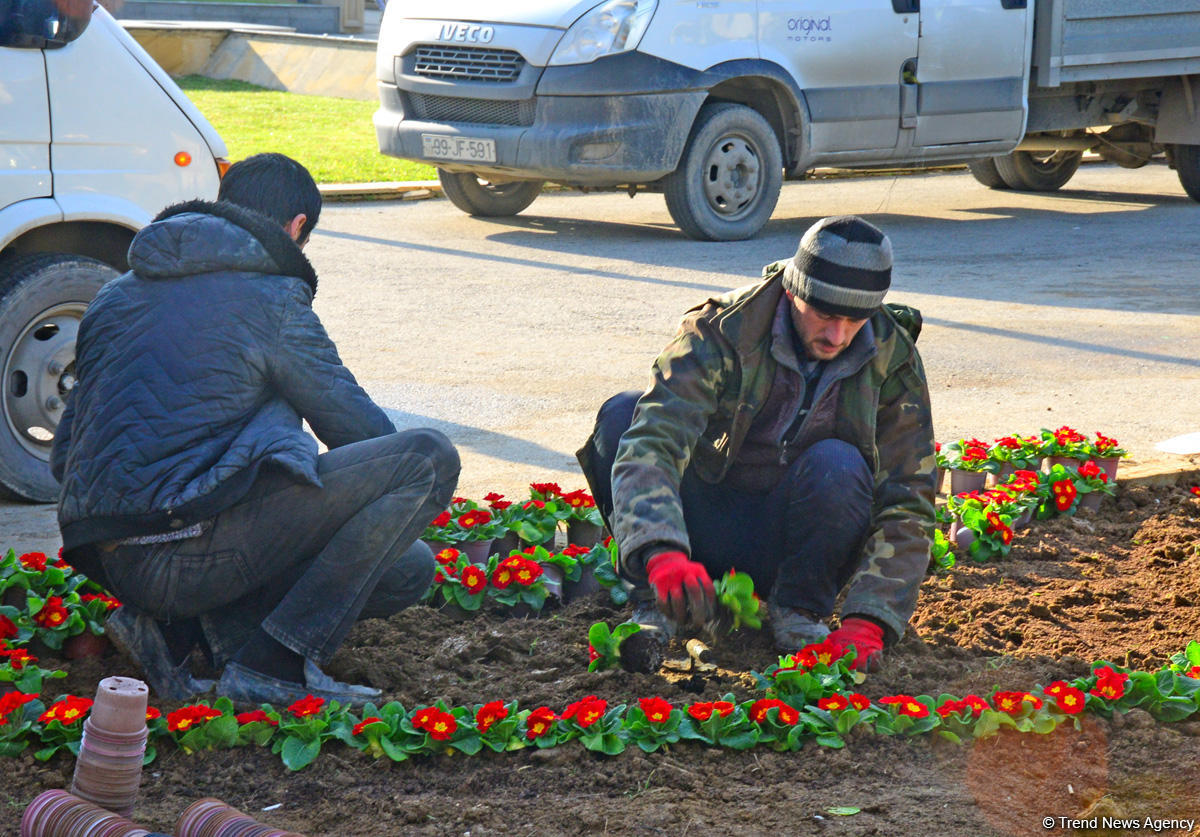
(1078, 307)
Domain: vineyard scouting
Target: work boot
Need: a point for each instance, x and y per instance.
(795, 627)
(138, 636)
(245, 685)
(643, 652)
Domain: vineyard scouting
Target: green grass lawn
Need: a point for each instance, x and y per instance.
(333, 138)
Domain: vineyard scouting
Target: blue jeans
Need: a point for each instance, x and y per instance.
(800, 542)
(301, 561)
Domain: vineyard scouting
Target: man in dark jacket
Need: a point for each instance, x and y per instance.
(189, 486)
(786, 432)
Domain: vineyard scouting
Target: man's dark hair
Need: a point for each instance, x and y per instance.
(275, 185)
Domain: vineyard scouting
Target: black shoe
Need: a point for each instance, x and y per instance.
(795, 627)
(245, 685)
(138, 637)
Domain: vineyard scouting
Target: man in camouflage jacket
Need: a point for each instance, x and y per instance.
(786, 432)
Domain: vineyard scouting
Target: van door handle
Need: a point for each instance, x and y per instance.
(906, 7)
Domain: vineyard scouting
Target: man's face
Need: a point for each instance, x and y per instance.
(824, 336)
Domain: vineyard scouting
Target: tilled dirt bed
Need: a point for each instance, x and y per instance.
(1122, 586)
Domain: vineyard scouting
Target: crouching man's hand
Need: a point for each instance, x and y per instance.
(682, 587)
(865, 636)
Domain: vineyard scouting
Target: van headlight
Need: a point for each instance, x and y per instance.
(612, 27)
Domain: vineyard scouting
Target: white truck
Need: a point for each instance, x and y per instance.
(714, 102)
(95, 139)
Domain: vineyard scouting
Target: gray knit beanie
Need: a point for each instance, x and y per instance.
(843, 266)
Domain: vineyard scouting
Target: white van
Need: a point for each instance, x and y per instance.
(95, 140)
(714, 102)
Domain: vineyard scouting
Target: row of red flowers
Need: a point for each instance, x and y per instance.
(809, 697)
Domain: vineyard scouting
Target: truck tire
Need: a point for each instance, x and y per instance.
(1187, 166)
(1029, 172)
(475, 196)
(985, 172)
(728, 179)
(42, 299)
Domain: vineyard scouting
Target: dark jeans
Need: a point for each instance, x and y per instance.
(303, 562)
(800, 542)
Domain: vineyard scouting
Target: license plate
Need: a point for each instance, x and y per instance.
(458, 148)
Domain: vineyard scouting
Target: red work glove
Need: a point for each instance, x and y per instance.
(682, 587)
(865, 636)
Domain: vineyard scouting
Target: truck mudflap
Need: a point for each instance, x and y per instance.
(580, 140)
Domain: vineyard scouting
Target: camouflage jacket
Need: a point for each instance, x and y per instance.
(705, 391)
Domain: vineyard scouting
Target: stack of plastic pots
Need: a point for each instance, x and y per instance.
(57, 813)
(109, 769)
(213, 818)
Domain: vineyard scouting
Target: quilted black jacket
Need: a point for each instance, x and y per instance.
(194, 369)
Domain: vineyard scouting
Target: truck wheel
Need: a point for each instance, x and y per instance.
(985, 172)
(727, 182)
(42, 299)
(476, 196)
(1041, 172)
(1187, 166)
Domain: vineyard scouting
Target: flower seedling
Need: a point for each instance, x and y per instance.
(653, 723)
(721, 723)
(735, 592)
(604, 646)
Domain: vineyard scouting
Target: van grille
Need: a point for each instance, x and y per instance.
(474, 111)
(468, 63)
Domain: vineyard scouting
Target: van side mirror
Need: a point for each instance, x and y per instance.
(43, 24)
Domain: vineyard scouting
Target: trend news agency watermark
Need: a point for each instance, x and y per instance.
(1148, 824)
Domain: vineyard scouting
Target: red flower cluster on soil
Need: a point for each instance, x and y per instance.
(656, 709)
(586, 711)
(810, 655)
(1195, 489)
(8, 628)
(973, 702)
(996, 526)
(184, 718)
(35, 561)
(473, 518)
(906, 705)
(1067, 698)
(256, 715)
(539, 722)
(474, 579)
(1090, 470)
(518, 569)
(18, 658)
(704, 710)
(11, 702)
(307, 706)
(787, 715)
(1014, 702)
(833, 703)
(447, 556)
(152, 713)
(53, 614)
(363, 724)
(1109, 683)
(579, 499)
(109, 602)
(439, 723)
(489, 713)
(1064, 494)
(67, 710)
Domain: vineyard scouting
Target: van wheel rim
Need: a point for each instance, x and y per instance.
(39, 373)
(732, 176)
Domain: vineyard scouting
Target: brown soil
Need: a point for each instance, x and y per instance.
(1122, 586)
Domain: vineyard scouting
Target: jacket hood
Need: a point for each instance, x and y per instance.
(211, 237)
